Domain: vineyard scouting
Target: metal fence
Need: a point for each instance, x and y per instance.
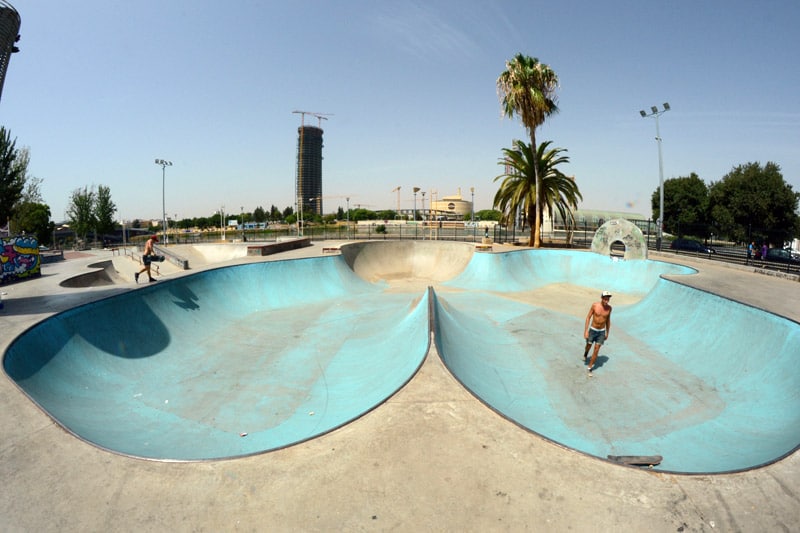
(554, 236)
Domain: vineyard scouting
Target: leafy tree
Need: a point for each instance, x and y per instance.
(286, 212)
(685, 205)
(362, 214)
(340, 214)
(80, 212)
(527, 88)
(34, 218)
(103, 210)
(259, 215)
(518, 189)
(387, 214)
(31, 214)
(489, 214)
(750, 197)
(12, 174)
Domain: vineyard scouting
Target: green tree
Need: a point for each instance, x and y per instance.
(685, 205)
(259, 215)
(751, 198)
(527, 88)
(103, 211)
(80, 212)
(518, 189)
(34, 218)
(12, 175)
(489, 214)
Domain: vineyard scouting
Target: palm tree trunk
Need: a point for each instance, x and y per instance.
(536, 226)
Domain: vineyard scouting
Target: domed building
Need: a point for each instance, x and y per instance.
(452, 207)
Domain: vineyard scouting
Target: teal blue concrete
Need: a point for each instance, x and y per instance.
(284, 351)
(526, 270)
(279, 351)
(708, 383)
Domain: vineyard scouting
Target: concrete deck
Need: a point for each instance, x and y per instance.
(432, 457)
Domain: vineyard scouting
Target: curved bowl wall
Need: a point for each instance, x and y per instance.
(707, 383)
(223, 363)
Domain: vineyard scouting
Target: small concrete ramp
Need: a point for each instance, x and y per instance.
(433, 261)
(103, 273)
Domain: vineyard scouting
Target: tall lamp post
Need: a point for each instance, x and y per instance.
(164, 164)
(348, 218)
(472, 205)
(655, 113)
(416, 190)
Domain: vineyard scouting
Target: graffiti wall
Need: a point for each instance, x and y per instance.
(19, 259)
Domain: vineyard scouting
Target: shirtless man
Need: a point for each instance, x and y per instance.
(148, 254)
(598, 325)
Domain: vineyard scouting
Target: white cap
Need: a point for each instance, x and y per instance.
(605, 293)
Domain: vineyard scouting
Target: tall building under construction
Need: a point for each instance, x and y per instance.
(309, 169)
(9, 35)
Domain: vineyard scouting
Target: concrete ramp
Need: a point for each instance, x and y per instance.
(431, 261)
(200, 255)
(103, 273)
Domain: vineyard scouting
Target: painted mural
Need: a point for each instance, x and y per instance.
(19, 259)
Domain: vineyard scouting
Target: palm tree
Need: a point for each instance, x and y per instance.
(518, 189)
(527, 88)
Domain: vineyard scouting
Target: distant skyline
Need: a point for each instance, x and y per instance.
(102, 88)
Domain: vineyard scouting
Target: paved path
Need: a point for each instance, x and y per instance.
(431, 458)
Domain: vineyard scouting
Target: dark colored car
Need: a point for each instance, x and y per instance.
(781, 256)
(691, 245)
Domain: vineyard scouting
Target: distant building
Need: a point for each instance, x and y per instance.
(9, 35)
(309, 169)
(452, 208)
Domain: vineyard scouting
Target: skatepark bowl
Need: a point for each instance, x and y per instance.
(244, 359)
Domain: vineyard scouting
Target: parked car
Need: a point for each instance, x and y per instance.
(691, 245)
(779, 255)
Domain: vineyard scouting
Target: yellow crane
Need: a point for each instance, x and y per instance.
(397, 190)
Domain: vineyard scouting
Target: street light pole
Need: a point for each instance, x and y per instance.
(472, 205)
(164, 164)
(655, 113)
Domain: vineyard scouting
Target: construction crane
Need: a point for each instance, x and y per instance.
(320, 116)
(397, 190)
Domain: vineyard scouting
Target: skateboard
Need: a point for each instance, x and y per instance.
(636, 460)
(153, 259)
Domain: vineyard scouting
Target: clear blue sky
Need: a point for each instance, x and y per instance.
(101, 88)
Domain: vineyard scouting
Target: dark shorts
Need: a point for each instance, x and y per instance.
(596, 336)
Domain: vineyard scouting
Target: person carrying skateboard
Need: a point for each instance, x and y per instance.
(147, 257)
(597, 327)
